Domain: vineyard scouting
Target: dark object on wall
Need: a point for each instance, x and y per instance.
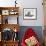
(42, 3)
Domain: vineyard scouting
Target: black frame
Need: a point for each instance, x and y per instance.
(30, 8)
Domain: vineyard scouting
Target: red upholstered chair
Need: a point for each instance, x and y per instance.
(29, 33)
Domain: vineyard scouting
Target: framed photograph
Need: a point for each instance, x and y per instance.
(30, 13)
(5, 12)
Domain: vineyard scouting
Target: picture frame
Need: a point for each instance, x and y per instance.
(30, 13)
(5, 12)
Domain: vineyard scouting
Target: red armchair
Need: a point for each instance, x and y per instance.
(30, 34)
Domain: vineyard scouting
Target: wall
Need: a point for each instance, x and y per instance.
(32, 4)
(27, 4)
(6, 3)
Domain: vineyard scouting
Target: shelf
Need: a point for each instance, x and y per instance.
(5, 12)
(10, 26)
(11, 41)
(9, 22)
(9, 10)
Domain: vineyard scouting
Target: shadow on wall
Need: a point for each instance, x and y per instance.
(37, 29)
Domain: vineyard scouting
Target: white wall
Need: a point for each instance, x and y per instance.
(32, 4)
(7, 3)
(27, 4)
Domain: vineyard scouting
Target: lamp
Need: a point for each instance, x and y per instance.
(15, 3)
